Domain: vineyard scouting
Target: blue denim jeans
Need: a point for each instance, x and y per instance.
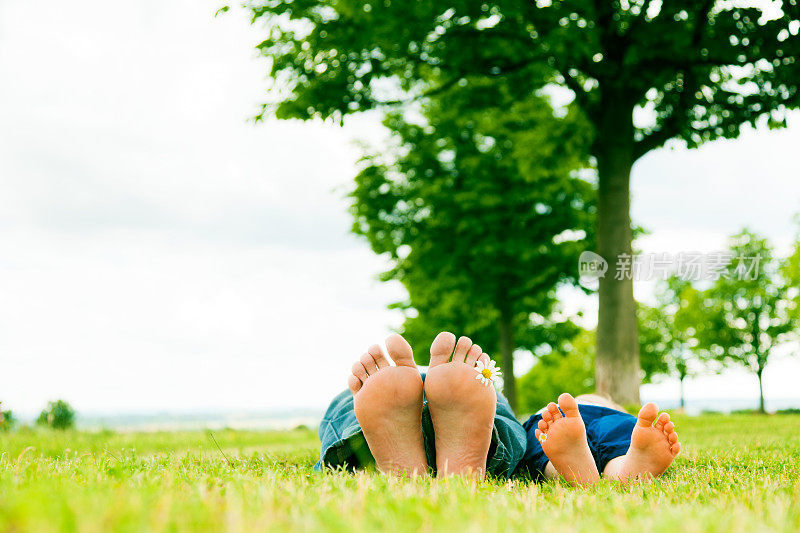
(608, 432)
(343, 443)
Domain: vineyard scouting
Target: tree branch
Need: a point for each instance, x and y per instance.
(444, 87)
(652, 141)
(424, 94)
(669, 128)
(668, 58)
(581, 96)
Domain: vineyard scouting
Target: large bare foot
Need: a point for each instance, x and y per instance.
(388, 405)
(563, 439)
(462, 408)
(653, 448)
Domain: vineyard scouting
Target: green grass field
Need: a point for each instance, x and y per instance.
(737, 473)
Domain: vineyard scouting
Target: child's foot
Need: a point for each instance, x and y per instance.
(388, 405)
(462, 408)
(564, 442)
(652, 449)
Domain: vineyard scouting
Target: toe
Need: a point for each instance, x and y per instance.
(647, 415)
(675, 448)
(663, 418)
(543, 425)
(484, 358)
(359, 371)
(377, 354)
(473, 354)
(547, 416)
(353, 383)
(400, 351)
(669, 427)
(369, 364)
(673, 438)
(554, 412)
(462, 348)
(568, 405)
(442, 348)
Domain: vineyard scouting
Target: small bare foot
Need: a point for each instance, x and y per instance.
(564, 442)
(653, 448)
(462, 408)
(388, 405)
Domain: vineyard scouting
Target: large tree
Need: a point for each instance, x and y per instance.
(694, 70)
(480, 241)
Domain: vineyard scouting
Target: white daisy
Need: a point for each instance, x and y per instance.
(486, 372)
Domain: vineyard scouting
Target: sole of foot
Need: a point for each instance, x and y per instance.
(563, 436)
(654, 445)
(462, 408)
(388, 406)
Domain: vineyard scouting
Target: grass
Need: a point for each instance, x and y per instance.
(737, 473)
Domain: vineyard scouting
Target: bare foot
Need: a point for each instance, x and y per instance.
(388, 405)
(462, 408)
(652, 449)
(563, 439)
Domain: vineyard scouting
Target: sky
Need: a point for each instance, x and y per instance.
(161, 252)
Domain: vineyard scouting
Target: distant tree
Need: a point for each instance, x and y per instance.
(749, 312)
(7, 419)
(57, 415)
(570, 365)
(690, 70)
(791, 273)
(480, 241)
(570, 368)
(667, 332)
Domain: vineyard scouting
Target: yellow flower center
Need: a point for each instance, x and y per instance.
(486, 373)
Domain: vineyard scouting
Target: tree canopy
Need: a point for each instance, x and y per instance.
(703, 67)
(642, 72)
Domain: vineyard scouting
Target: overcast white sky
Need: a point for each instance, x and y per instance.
(160, 252)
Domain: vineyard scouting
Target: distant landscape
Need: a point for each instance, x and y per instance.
(293, 418)
(176, 421)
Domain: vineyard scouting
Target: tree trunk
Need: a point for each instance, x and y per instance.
(683, 397)
(761, 407)
(617, 370)
(507, 358)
